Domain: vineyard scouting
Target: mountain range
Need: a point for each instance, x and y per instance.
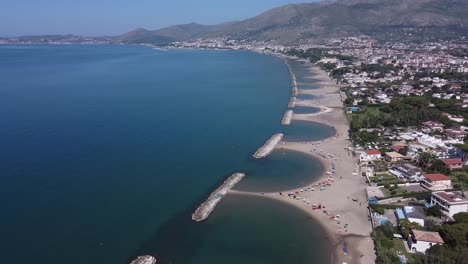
(295, 23)
(410, 20)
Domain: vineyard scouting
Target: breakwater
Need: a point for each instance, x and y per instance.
(268, 147)
(205, 209)
(293, 80)
(292, 102)
(144, 260)
(287, 118)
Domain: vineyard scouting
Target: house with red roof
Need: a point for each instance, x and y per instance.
(453, 164)
(370, 155)
(397, 148)
(436, 182)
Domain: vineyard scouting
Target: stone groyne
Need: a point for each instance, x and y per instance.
(205, 209)
(292, 102)
(269, 146)
(287, 118)
(293, 80)
(144, 260)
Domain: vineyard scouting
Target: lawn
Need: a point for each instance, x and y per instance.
(399, 246)
(383, 179)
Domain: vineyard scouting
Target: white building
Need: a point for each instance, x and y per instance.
(370, 155)
(451, 203)
(407, 171)
(414, 214)
(421, 241)
(436, 182)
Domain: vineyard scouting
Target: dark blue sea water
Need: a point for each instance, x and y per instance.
(106, 150)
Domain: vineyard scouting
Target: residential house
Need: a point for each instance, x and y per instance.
(393, 156)
(455, 118)
(421, 241)
(397, 148)
(450, 203)
(434, 126)
(370, 155)
(436, 182)
(407, 171)
(456, 134)
(453, 164)
(414, 214)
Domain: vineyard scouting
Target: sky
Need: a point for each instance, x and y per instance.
(114, 17)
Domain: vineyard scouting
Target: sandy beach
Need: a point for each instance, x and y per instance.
(344, 213)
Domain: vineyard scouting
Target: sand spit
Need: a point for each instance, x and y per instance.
(287, 118)
(205, 209)
(268, 147)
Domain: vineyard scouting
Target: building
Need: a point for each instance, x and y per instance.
(456, 134)
(455, 118)
(450, 203)
(421, 241)
(370, 155)
(414, 214)
(393, 157)
(433, 126)
(398, 148)
(436, 182)
(453, 164)
(407, 171)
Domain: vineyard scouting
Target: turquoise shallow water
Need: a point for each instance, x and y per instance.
(104, 147)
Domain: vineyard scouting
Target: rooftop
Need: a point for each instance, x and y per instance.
(373, 152)
(452, 161)
(451, 197)
(414, 212)
(394, 155)
(398, 147)
(433, 237)
(436, 177)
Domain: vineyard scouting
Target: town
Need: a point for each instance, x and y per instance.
(408, 109)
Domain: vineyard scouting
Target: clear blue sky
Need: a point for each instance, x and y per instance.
(112, 17)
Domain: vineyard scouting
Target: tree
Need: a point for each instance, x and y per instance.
(464, 149)
(431, 224)
(434, 211)
(439, 166)
(386, 256)
(386, 229)
(425, 159)
(461, 218)
(349, 101)
(455, 235)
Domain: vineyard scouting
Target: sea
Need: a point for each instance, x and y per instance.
(106, 150)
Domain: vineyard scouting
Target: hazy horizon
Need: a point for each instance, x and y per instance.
(108, 18)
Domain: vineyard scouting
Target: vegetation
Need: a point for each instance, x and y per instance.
(380, 208)
(455, 248)
(434, 211)
(403, 112)
(383, 243)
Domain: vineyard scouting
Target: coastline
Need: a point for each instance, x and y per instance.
(352, 229)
